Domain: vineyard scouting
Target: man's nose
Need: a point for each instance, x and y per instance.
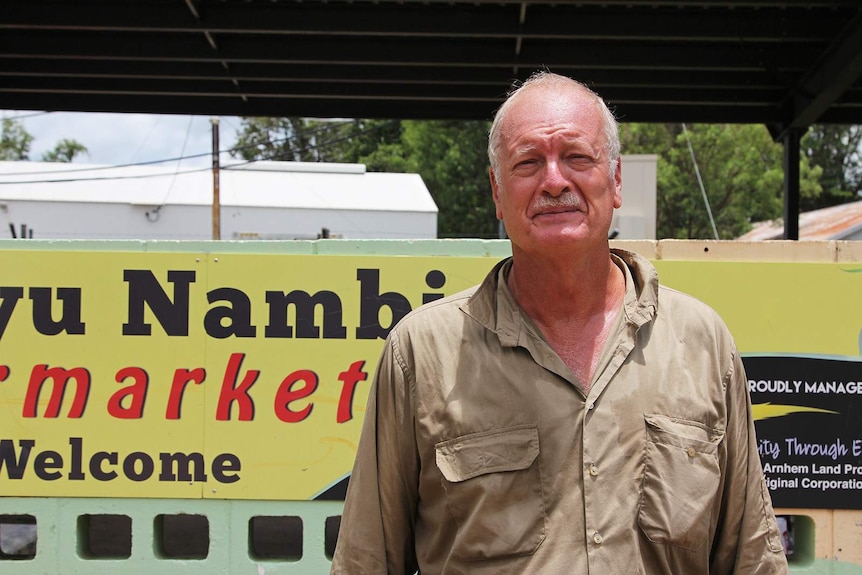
(555, 182)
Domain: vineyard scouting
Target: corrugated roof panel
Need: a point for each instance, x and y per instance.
(832, 223)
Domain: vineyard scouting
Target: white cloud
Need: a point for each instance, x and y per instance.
(128, 138)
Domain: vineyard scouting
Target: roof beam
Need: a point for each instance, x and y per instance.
(829, 80)
(642, 22)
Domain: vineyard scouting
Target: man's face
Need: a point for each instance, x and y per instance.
(553, 187)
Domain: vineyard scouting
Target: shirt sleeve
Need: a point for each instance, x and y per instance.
(377, 526)
(747, 540)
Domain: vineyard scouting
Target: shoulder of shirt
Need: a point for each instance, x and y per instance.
(437, 310)
(669, 304)
(677, 297)
(678, 305)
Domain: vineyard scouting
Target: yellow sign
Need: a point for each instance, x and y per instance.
(245, 376)
(789, 308)
(195, 375)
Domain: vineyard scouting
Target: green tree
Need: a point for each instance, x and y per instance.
(15, 144)
(741, 169)
(64, 151)
(14, 141)
(836, 149)
(284, 139)
(375, 143)
(451, 157)
(308, 140)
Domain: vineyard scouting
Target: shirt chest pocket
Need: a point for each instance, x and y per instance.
(680, 482)
(494, 492)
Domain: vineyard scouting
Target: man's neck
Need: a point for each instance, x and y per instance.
(574, 288)
(575, 308)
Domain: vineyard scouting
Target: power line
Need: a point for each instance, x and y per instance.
(700, 181)
(322, 130)
(23, 116)
(161, 161)
(97, 179)
(182, 152)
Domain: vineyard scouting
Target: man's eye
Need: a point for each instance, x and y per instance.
(580, 161)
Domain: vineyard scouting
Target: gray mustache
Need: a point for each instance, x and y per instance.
(566, 200)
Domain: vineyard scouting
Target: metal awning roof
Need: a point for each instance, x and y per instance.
(784, 63)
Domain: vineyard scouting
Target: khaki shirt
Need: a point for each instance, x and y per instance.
(480, 453)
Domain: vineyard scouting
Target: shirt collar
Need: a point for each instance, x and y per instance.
(493, 305)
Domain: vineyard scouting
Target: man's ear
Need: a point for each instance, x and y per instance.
(618, 184)
(495, 190)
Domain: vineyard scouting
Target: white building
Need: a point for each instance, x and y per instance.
(259, 200)
(635, 219)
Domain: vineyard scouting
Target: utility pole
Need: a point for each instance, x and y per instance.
(216, 200)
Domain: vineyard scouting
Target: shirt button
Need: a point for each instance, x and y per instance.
(593, 469)
(591, 405)
(597, 537)
(690, 452)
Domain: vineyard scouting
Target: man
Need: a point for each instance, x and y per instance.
(568, 415)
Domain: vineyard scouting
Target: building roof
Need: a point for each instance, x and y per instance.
(253, 184)
(832, 223)
(784, 63)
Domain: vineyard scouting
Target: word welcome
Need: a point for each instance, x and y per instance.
(50, 465)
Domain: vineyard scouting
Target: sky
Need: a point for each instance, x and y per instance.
(118, 139)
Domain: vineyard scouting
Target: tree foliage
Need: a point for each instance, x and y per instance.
(14, 141)
(15, 144)
(283, 139)
(740, 167)
(836, 149)
(295, 139)
(64, 151)
(452, 159)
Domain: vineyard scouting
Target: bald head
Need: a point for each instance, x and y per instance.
(553, 83)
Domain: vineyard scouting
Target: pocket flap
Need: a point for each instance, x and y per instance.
(682, 433)
(471, 455)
